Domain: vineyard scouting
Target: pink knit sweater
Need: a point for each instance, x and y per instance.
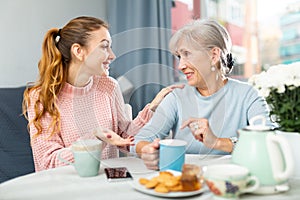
(82, 109)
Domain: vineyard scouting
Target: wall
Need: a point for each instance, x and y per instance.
(181, 15)
(23, 25)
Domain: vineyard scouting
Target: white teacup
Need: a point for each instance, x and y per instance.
(229, 180)
(87, 155)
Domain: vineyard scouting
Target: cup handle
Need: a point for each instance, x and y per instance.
(62, 159)
(251, 188)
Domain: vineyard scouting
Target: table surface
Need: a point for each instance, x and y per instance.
(64, 183)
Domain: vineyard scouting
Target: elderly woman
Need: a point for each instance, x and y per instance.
(211, 108)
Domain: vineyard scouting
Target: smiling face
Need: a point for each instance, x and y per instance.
(195, 64)
(204, 48)
(99, 53)
(92, 59)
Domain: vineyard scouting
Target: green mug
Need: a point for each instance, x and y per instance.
(87, 155)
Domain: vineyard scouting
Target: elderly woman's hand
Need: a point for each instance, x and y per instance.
(201, 131)
(162, 94)
(150, 154)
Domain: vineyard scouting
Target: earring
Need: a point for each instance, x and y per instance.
(213, 68)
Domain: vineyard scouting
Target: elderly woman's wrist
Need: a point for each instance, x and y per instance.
(224, 144)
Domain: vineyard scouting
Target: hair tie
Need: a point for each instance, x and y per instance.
(58, 33)
(57, 37)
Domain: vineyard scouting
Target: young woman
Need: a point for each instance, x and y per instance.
(74, 95)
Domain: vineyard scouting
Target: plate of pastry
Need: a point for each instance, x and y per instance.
(172, 183)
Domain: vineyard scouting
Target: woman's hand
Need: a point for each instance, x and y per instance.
(150, 154)
(162, 94)
(201, 131)
(112, 138)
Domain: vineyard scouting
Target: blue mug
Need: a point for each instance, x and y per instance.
(171, 154)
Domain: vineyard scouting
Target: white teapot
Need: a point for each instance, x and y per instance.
(266, 155)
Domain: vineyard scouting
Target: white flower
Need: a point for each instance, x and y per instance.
(280, 85)
(277, 76)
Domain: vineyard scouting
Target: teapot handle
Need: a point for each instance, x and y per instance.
(257, 117)
(273, 142)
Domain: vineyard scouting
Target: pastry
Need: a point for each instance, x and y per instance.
(190, 178)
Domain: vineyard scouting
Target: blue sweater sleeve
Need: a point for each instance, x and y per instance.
(258, 106)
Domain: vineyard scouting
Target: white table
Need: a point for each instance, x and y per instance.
(64, 183)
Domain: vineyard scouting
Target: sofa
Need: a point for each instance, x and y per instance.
(15, 151)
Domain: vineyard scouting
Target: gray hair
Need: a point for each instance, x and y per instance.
(205, 34)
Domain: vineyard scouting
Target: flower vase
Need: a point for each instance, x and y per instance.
(293, 138)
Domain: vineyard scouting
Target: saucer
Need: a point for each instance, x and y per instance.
(272, 189)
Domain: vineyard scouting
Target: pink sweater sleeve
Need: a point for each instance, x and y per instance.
(44, 148)
(125, 124)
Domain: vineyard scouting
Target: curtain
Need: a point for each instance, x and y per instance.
(140, 33)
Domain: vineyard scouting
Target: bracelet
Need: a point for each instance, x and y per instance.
(233, 140)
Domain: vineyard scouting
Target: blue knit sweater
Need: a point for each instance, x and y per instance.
(227, 111)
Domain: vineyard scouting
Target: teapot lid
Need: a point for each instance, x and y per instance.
(258, 127)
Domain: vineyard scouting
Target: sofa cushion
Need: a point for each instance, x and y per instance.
(15, 151)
